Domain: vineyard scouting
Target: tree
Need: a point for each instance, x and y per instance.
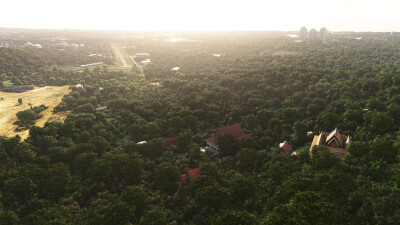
(136, 198)
(183, 141)
(246, 158)
(8, 218)
(246, 142)
(166, 177)
(100, 144)
(327, 121)
(243, 189)
(322, 158)
(214, 197)
(305, 208)
(234, 217)
(155, 216)
(227, 144)
(27, 116)
(382, 148)
(20, 101)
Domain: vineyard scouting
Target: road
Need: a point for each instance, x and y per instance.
(137, 65)
(119, 54)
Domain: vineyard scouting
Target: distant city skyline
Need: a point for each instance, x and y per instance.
(259, 15)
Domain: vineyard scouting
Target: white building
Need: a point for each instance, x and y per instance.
(28, 44)
(303, 33)
(5, 43)
(92, 64)
(145, 62)
(312, 35)
(323, 34)
(142, 55)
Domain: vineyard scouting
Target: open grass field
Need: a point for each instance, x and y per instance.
(49, 96)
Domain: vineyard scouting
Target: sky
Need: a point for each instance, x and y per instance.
(285, 15)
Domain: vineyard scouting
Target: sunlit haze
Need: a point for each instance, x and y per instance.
(336, 15)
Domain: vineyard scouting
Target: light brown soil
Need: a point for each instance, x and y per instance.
(49, 96)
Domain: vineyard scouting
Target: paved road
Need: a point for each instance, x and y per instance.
(116, 49)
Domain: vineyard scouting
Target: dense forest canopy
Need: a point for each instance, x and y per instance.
(92, 168)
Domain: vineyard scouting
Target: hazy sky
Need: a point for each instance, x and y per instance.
(336, 15)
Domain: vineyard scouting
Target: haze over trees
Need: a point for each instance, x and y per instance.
(91, 169)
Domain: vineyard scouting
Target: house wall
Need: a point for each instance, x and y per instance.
(212, 146)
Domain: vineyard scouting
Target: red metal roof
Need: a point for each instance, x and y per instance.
(235, 129)
(285, 147)
(168, 142)
(192, 174)
(183, 179)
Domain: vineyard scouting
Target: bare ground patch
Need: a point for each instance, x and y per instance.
(49, 96)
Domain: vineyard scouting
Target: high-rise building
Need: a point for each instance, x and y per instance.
(323, 34)
(303, 33)
(312, 35)
(6, 43)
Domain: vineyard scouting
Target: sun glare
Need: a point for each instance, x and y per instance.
(200, 15)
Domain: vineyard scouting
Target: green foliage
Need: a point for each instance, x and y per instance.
(227, 144)
(246, 158)
(166, 177)
(322, 158)
(90, 169)
(234, 217)
(27, 116)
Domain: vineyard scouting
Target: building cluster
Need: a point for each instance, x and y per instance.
(30, 45)
(65, 45)
(312, 34)
(143, 57)
(334, 141)
(235, 129)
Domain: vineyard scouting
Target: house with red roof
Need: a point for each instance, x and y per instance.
(235, 129)
(169, 142)
(285, 147)
(190, 174)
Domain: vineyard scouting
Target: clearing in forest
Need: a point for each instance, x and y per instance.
(49, 96)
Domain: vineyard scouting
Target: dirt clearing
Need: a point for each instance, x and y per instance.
(49, 96)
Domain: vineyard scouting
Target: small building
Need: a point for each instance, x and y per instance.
(285, 147)
(169, 142)
(28, 44)
(92, 64)
(79, 86)
(141, 143)
(37, 46)
(235, 129)
(190, 174)
(334, 141)
(145, 62)
(142, 55)
(101, 108)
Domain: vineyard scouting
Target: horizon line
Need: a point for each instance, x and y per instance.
(189, 30)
